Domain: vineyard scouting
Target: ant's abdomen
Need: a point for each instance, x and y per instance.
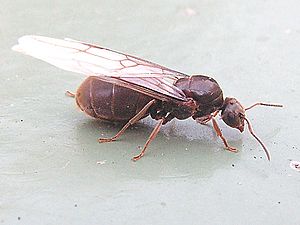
(108, 101)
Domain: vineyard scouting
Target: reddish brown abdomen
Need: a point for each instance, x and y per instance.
(108, 101)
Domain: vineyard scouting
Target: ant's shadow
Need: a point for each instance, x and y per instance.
(181, 149)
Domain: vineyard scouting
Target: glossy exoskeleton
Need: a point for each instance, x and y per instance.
(124, 88)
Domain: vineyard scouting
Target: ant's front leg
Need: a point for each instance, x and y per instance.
(205, 119)
(219, 133)
(70, 94)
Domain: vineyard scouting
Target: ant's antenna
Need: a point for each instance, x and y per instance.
(261, 143)
(250, 127)
(264, 104)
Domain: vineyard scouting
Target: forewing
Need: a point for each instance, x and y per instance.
(115, 67)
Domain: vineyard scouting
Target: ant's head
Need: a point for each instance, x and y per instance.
(233, 113)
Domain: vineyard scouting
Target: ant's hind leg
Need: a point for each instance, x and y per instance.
(132, 121)
(219, 133)
(70, 94)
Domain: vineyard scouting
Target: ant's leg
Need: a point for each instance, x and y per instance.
(219, 133)
(70, 94)
(133, 120)
(151, 138)
(205, 119)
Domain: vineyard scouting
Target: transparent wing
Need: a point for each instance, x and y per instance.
(115, 67)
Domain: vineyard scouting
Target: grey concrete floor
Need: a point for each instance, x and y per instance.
(53, 170)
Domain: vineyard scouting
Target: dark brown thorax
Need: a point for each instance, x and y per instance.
(205, 91)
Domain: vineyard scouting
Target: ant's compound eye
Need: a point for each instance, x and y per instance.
(233, 120)
(230, 117)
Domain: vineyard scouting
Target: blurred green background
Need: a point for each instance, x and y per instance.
(53, 170)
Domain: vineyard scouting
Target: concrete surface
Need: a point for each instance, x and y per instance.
(53, 170)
